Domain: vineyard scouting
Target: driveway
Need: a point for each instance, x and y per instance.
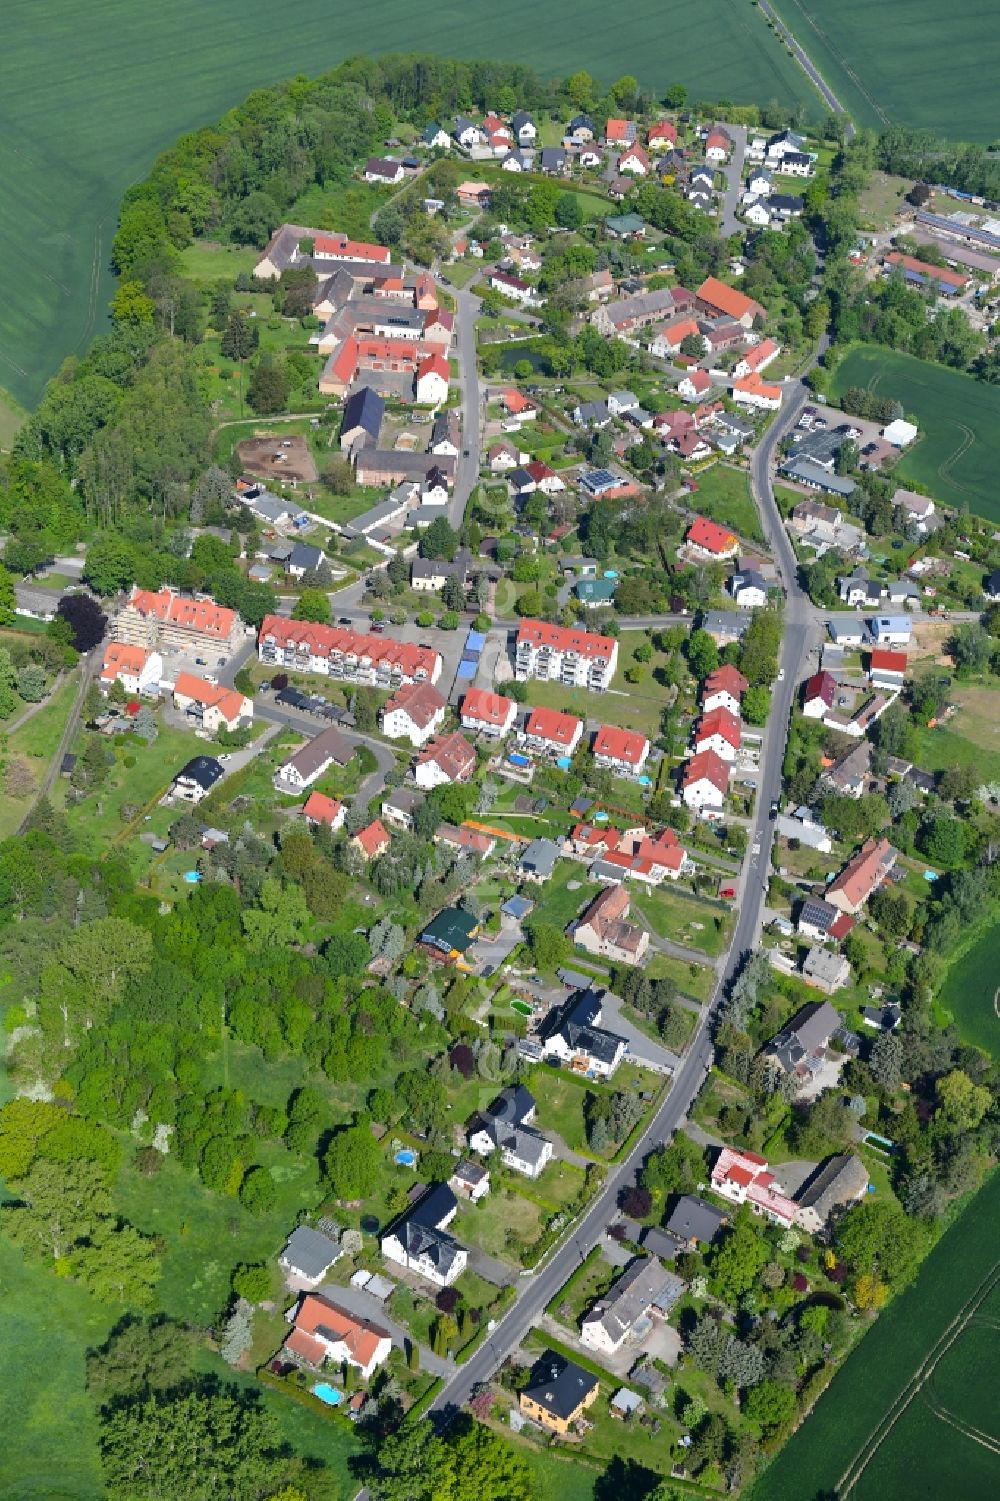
(641, 1048)
(363, 1305)
(492, 950)
(491, 1268)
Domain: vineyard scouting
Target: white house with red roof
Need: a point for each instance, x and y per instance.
(320, 809)
(213, 706)
(620, 132)
(415, 712)
(757, 359)
(695, 385)
(544, 478)
(663, 133)
(488, 713)
(887, 669)
(757, 394)
(163, 618)
(743, 1178)
(709, 542)
(818, 695)
(137, 669)
(718, 145)
(326, 1332)
(635, 161)
(718, 731)
(340, 652)
(591, 839)
(671, 336)
(373, 840)
(724, 689)
(564, 654)
(450, 758)
(623, 752)
(550, 732)
(517, 405)
(705, 781)
(642, 857)
(432, 380)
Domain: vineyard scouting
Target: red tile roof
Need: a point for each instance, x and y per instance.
(489, 708)
(332, 641)
(821, 685)
(322, 809)
(864, 872)
(512, 399)
(759, 353)
(717, 294)
(888, 661)
(710, 536)
(435, 364)
(720, 721)
(674, 333)
(453, 754)
(752, 385)
(350, 250)
(362, 1338)
(699, 379)
(663, 130)
(552, 725)
(228, 701)
(634, 154)
(193, 614)
(727, 678)
(710, 766)
(373, 838)
(621, 745)
(565, 639)
(420, 701)
(617, 130)
(119, 657)
(925, 269)
(539, 471)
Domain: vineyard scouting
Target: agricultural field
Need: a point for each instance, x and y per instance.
(913, 1408)
(971, 989)
(925, 77)
(957, 456)
(136, 76)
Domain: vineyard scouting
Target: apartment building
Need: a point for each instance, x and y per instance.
(378, 661)
(564, 654)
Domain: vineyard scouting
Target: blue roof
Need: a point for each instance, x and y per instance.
(467, 668)
(517, 906)
(475, 641)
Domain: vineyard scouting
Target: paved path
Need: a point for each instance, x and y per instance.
(467, 308)
(728, 222)
(33, 709)
(89, 664)
(811, 71)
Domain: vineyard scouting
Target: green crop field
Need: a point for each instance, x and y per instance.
(971, 989)
(912, 1413)
(91, 97)
(957, 456)
(916, 66)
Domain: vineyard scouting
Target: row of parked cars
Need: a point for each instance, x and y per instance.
(310, 703)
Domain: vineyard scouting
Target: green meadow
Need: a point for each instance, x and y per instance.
(93, 94)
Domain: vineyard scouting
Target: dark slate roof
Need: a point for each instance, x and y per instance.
(204, 770)
(305, 555)
(818, 914)
(696, 1219)
(365, 409)
(576, 1021)
(513, 1104)
(558, 1385)
(553, 157)
(451, 929)
(521, 119)
(579, 121)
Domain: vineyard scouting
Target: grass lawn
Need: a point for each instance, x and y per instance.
(36, 742)
(49, 1453)
(695, 980)
(347, 208)
(555, 903)
(554, 1476)
(498, 1221)
(970, 990)
(461, 273)
(957, 456)
(560, 1183)
(970, 738)
(684, 919)
(207, 260)
(12, 419)
(560, 1106)
(642, 709)
(724, 496)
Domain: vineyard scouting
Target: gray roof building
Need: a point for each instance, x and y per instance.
(799, 1046)
(838, 1183)
(643, 1285)
(308, 1254)
(558, 1386)
(539, 859)
(808, 472)
(694, 1220)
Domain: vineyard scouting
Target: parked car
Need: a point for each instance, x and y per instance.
(772, 812)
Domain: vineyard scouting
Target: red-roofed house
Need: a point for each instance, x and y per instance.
(818, 696)
(620, 132)
(165, 619)
(638, 857)
(373, 840)
(592, 838)
(724, 689)
(718, 299)
(516, 405)
(432, 380)
(623, 752)
(545, 479)
(862, 876)
(379, 661)
(709, 541)
(695, 385)
(319, 808)
(718, 144)
(887, 669)
(551, 732)
(603, 929)
(448, 759)
(213, 706)
(564, 654)
(488, 713)
(924, 274)
(415, 712)
(705, 781)
(757, 359)
(757, 394)
(670, 337)
(661, 134)
(325, 1331)
(138, 670)
(634, 160)
(718, 731)
(743, 1178)
(691, 446)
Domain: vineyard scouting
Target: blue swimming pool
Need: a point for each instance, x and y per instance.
(406, 1157)
(192, 877)
(328, 1394)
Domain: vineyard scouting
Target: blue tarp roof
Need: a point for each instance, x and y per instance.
(466, 669)
(475, 641)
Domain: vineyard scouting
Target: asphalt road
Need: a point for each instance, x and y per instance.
(467, 468)
(539, 1288)
(808, 67)
(728, 222)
